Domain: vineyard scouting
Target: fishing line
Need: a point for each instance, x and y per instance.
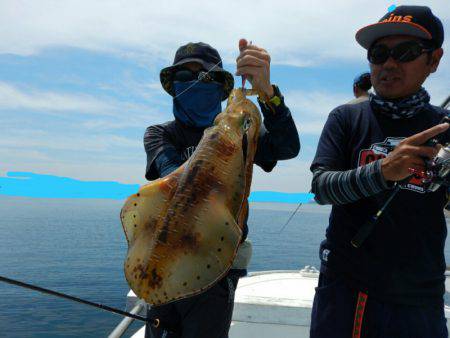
(72, 298)
(212, 68)
(198, 80)
(290, 218)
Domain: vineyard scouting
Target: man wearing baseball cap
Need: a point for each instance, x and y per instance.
(198, 84)
(361, 86)
(384, 278)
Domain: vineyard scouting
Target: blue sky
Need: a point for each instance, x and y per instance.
(79, 81)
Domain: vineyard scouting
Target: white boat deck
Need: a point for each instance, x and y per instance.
(279, 297)
(272, 304)
(268, 304)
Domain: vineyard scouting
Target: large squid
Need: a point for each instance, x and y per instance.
(183, 230)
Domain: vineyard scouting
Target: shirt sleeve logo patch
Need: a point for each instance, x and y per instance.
(380, 150)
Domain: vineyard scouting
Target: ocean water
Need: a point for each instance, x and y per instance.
(78, 247)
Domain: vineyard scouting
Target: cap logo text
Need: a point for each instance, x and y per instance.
(398, 18)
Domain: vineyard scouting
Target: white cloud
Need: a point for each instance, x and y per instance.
(288, 176)
(315, 104)
(437, 84)
(295, 32)
(311, 108)
(314, 128)
(110, 113)
(69, 141)
(129, 173)
(25, 156)
(14, 98)
(46, 133)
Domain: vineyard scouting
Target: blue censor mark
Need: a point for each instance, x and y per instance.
(280, 197)
(391, 8)
(26, 184)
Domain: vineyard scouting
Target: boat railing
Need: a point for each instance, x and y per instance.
(120, 329)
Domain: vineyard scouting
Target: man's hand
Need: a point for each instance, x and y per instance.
(254, 62)
(410, 154)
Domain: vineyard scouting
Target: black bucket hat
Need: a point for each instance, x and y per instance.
(202, 53)
(416, 21)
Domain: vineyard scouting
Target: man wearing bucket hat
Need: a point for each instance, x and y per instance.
(198, 84)
(387, 281)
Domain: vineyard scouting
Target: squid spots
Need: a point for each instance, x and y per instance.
(226, 149)
(180, 255)
(193, 173)
(151, 225)
(164, 234)
(190, 240)
(143, 275)
(155, 280)
(214, 136)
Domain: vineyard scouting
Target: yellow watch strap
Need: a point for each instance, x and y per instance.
(275, 100)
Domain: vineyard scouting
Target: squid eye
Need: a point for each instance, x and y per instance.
(247, 124)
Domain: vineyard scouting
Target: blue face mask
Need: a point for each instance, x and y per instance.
(199, 105)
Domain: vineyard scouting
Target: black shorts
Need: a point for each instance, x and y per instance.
(334, 309)
(207, 315)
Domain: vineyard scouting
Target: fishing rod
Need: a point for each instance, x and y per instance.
(368, 227)
(72, 298)
(446, 102)
(290, 218)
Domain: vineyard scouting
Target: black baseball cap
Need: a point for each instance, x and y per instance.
(202, 53)
(416, 21)
(363, 81)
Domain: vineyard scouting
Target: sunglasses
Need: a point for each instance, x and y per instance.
(186, 75)
(403, 52)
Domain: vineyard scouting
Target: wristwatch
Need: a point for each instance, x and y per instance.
(276, 99)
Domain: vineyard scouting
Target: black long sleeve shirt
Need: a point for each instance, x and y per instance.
(402, 260)
(170, 144)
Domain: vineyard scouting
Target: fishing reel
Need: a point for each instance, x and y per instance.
(435, 175)
(437, 172)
